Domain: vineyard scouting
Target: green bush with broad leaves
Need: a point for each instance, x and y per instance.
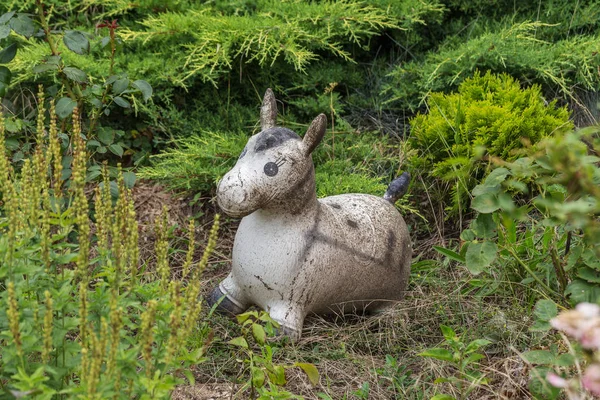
(490, 116)
(537, 221)
(56, 61)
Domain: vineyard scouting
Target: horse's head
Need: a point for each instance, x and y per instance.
(274, 167)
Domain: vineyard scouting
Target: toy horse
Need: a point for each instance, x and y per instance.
(295, 254)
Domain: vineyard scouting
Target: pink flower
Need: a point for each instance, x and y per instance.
(583, 324)
(591, 379)
(556, 380)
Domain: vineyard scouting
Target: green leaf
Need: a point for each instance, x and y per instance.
(4, 31)
(5, 75)
(484, 226)
(8, 53)
(545, 310)
(450, 254)
(5, 17)
(106, 136)
(485, 203)
(538, 357)
(582, 291)
(122, 102)
(448, 332)
(474, 357)
(438, 353)
(540, 326)
(476, 345)
(116, 149)
(65, 107)
(91, 175)
(190, 377)
(278, 376)
(120, 85)
(144, 87)
(259, 334)
(3, 89)
(496, 177)
(539, 386)
(75, 74)
(480, 256)
(590, 259)
(258, 377)
(467, 235)
(44, 67)
(443, 397)
(239, 341)
(77, 42)
(23, 25)
(565, 360)
(311, 372)
(129, 179)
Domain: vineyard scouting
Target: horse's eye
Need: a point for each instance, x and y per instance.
(271, 169)
(243, 152)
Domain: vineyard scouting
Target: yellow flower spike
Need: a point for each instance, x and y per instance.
(192, 305)
(15, 221)
(48, 318)
(80, 202)
(115, 327)
(162, 250)
(85, 361)
(134, 249)
(175, 321)
(13, 318)
(95, 363)
(4, 163)
(56, 153)
(210, 246)
(83, 311)
(147, 337)
(191, 247)
(40, 116)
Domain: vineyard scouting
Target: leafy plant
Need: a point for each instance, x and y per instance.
(80, 315)
(94, 96)
(537, 242)
(490, 116)
(574, 372)
(266, 378)
(463, 358)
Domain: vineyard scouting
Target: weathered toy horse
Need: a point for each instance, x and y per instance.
(295, 254)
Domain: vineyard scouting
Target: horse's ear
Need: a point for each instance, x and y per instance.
(268, 111)
(315, 133)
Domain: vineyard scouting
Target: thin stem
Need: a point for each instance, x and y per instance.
(530, 272)
(558, 268)
(54, 49)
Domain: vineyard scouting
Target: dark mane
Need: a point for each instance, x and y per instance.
(274, 137)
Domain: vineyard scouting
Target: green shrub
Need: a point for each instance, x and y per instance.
(490, 115)
(559, 65)
(197, 162)
(537, 224)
